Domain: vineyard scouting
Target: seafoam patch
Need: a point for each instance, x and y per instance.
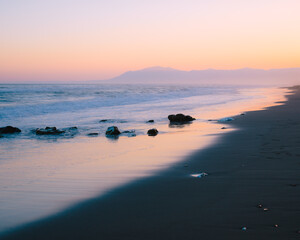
(199, 175)
(226, 119)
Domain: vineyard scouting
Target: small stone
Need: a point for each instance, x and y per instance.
(152, 132)
(150, 121)
(93, 134)
(266, 209)
(244, 228)
(112, 131)
(259, 205)
(276, 225)
(223, 128)
(103, 120)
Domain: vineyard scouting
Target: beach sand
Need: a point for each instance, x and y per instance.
(257, 164)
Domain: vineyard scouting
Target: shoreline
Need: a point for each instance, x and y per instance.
(245, 169)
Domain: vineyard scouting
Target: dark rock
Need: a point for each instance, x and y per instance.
(93, 134)
(180, 118)
(223, 128)
(73, 128)
(103, 120)
(1, 136)
(150, 121)
(48, 131)
(112, 131)
(152, 132)
(9, 130)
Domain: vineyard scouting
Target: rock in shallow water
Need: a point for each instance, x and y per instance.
(93, 134)
(180, 118)
(112, 131)
(9, 130)
(48, 131)
(152, 132)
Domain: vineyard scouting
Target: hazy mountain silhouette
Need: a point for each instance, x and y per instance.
(246, 76)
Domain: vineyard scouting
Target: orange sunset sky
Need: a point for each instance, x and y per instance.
(63, 40)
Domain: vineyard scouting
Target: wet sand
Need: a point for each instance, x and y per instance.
(258, 164)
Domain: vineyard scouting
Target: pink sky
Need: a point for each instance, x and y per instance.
(92, 39)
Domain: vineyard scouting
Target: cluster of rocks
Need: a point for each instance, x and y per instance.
(111, 131)
(48, 131)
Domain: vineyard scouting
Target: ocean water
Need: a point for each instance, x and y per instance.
(42, 175)
(33, 106)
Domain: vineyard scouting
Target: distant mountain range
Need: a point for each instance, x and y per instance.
(247, 76)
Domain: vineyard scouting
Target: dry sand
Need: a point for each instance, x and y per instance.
(258, 164)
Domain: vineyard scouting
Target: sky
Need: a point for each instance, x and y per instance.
(71, 40)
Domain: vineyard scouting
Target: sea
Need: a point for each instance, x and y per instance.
(43, 175)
